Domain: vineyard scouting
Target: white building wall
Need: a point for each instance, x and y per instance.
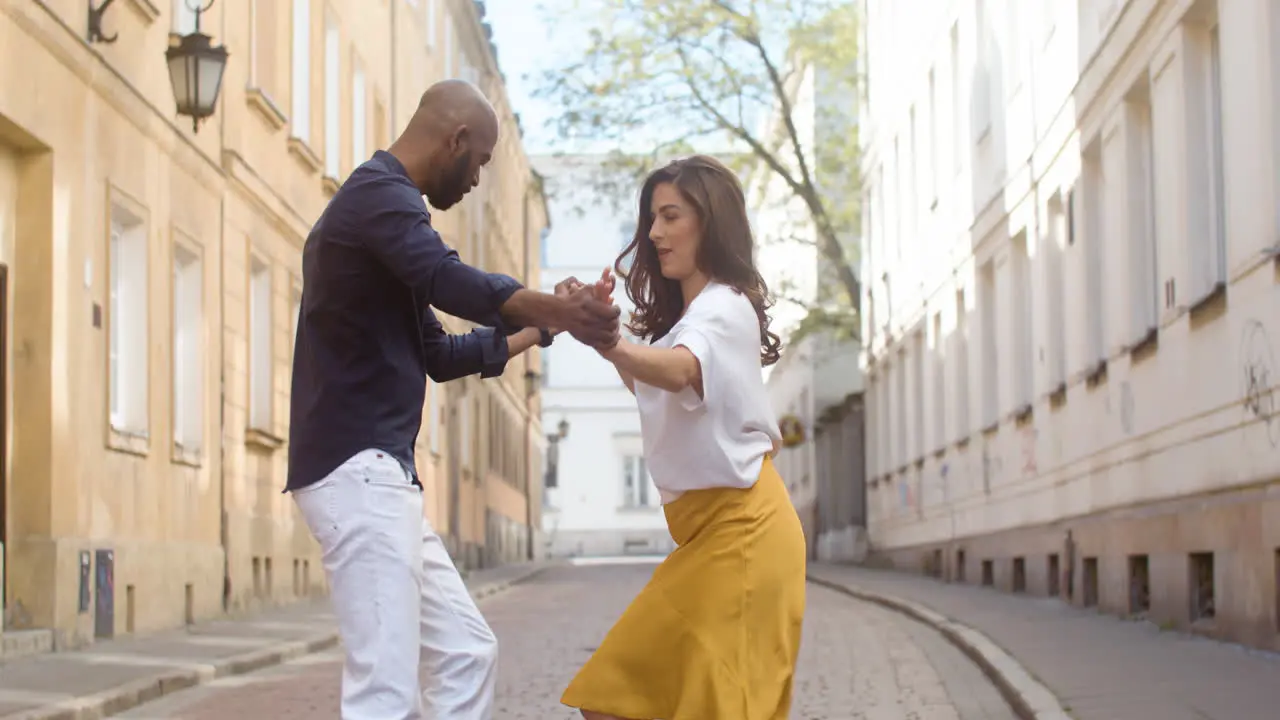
(591, 511)
(1071, 220)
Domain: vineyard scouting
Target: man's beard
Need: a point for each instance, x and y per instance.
(454, 185)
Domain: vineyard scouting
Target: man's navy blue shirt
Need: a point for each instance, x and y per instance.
(367, 340)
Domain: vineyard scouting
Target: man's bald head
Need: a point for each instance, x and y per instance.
(450, 137)
(450, 104)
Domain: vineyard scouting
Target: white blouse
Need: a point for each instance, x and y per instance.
(721, 439)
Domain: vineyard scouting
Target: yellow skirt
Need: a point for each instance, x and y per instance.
(716, 632)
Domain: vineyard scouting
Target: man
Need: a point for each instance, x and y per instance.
(373, 267)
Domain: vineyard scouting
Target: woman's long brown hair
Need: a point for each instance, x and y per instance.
(725, 253)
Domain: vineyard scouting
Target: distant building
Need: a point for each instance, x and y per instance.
(600, 499)
(1071, 225)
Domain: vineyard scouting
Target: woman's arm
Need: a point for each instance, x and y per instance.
(671, 369)
(627, 379)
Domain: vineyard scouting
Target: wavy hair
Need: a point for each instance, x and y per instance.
(725, 253)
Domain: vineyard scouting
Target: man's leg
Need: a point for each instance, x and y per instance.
(459, 652)
(367, 518)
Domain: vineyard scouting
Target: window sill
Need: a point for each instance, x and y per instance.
(330, 185)
(266, 108)
(263, 440)
(182, 455)
(131, 442)
(305, 156)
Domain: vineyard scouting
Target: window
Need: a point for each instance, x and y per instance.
(301, 95)
(450, 66)
(127, 323)
(260, 345)
(939, 394)
(359, 126)
(918, 422)
(1054, 332)
(332, 101)
(932, 140)
(960, 402)
(263, 63)
(433, 420)
(637, 486)
(184, 17)
(430, 9)
(1207, 254)
(957, 97)
(1144, 296)
(989, 349)
(1092, 214)
(188, 350)
(1023, 338)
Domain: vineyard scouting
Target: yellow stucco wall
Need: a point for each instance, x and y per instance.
(85, 128)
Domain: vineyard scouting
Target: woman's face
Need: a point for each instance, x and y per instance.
(675, 234)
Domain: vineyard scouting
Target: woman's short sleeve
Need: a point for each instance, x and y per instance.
(708, 331)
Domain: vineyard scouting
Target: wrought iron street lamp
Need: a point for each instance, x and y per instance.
(196, 66)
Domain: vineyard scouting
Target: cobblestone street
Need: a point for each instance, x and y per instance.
(859, 661)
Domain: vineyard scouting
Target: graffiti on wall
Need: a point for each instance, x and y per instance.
(1257, 373)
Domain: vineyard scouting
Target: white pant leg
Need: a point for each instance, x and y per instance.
(367, 517)
(459, 652)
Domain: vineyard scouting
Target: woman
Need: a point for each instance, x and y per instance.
(715, 633)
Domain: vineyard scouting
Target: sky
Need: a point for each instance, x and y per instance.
(528, 44)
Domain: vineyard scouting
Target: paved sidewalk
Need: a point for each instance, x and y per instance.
(1100, 667)
(113, 676)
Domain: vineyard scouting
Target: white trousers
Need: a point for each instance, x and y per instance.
(388, 573)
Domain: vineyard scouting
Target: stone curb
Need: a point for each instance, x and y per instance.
(145, 690)
(1028, 697)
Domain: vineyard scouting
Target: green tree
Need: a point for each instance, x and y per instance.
(660, 78)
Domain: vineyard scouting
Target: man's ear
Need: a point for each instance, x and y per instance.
(460, 141)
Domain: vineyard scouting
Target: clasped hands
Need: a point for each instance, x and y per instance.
(591, 318)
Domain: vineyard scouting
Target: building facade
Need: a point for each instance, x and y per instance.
(1070, 217)
(600, 499)
(149, 284)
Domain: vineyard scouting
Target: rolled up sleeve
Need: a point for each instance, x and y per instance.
(449, 357)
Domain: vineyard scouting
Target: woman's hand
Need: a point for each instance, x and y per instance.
(602, 289)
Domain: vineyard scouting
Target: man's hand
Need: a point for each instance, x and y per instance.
(590, 320)
(585, 311)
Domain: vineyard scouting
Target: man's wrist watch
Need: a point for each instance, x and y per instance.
(545, 337)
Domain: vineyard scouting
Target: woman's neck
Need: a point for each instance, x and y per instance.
(692, 285)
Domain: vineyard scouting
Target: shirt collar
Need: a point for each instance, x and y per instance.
(395, 167)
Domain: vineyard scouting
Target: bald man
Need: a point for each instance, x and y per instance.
(373, 268)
